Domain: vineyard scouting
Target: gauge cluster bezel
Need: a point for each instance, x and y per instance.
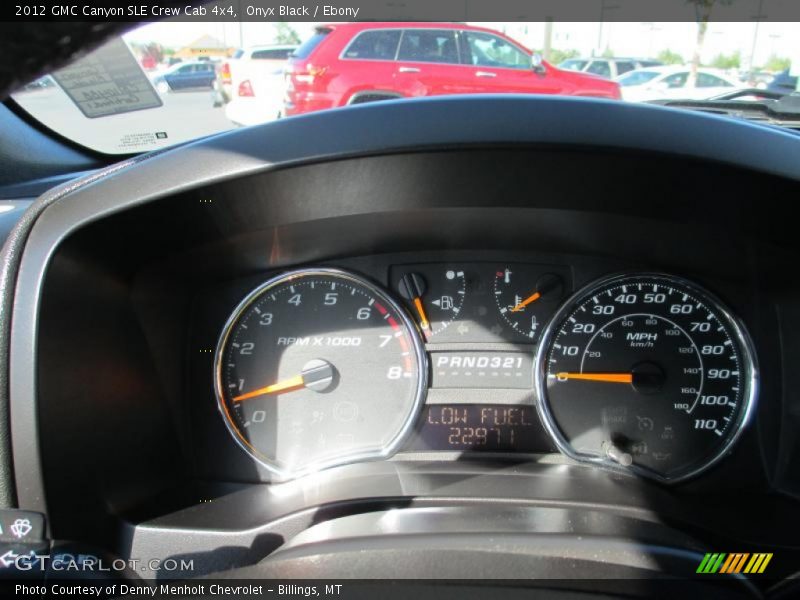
(420, 388)
(750, 364)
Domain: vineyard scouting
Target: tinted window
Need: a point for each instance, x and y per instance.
(374, 45)
(307, 47)
(637, 78)
(272, 54)
(624, 67)
(185, 69)
(573, 65)
(429, 45)
(488, 50)
(706, 80)
(599, 67)
(676, 80)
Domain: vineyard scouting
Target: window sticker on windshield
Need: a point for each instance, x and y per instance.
(108, 82)
(131, 142)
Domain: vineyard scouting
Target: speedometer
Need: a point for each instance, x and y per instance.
(317, 368)
(646, 372)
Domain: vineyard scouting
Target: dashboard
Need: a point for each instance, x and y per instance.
(476, 327)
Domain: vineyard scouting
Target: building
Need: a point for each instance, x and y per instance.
(205, 45)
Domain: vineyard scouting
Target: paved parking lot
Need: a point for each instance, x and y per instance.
(185, 115)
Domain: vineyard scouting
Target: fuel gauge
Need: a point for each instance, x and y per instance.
(434, 294)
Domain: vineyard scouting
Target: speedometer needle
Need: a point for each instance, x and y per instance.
(605, 377)
(423, 318)
(287, 385)
(532, 298)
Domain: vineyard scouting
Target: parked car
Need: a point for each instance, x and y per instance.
(756, 79)
(148, 63)
(353, 63)
(783, 83)
(659, 83)
(250, 84)
(186, 75)
(610, 68)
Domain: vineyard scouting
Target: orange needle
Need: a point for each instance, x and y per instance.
(423, 318)
(532, 298)
(287, 385)
(606, 377)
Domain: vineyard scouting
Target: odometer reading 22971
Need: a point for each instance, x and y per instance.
(646, 372)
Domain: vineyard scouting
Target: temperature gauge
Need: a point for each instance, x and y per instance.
(526, 297)
(434, 294)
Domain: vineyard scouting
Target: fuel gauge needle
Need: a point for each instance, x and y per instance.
(423, 318)
(605, 377)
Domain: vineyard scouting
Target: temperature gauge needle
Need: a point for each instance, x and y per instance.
(605, 377)
(530, 299)
(423, 318)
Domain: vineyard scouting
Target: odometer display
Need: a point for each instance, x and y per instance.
(647, 372)
(317, 368)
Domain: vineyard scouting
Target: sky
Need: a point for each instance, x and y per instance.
(757, 40)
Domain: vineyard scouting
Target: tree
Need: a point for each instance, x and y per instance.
(776, 64)
(559, 56)
(285, 34)
(668, 57)
(729, 61)
(703, 10)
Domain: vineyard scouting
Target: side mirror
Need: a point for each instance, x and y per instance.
(537, 64)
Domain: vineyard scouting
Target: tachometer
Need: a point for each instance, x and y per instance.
(317, 368)
(647, 372)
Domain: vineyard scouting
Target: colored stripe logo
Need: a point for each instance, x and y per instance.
(737, 562)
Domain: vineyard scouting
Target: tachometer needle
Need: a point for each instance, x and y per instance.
(532, 298)
(423, 318)
(605, 377)
(287, 385)
(317, 375)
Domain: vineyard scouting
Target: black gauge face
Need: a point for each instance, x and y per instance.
(647, 372)
(526, 299)
(317, 368)
(434, 294)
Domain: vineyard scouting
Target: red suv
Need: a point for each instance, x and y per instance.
(352, 63)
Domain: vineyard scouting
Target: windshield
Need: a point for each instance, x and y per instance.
(170, 82)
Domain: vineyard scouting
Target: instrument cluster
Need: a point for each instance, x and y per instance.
(642, 372)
